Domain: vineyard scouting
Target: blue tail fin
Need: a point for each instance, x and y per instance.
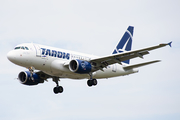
(125, 43)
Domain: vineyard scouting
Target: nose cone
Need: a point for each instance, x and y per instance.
(11, 56)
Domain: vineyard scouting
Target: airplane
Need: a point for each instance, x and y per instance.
(56, 63)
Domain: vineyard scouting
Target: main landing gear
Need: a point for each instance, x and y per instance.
(91, 81)
(57, 89)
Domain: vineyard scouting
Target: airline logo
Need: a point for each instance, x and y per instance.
(54, 53)
(125, 43)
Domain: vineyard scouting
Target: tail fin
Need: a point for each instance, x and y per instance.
(125, 43)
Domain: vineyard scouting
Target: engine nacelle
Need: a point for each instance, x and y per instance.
(80, 66)
(26, 79)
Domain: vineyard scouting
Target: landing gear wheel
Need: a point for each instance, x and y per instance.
(55, 90)
(89, 83)
(92, 82)
(58, 89)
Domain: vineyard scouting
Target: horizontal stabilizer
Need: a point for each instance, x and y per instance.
(140, 65)
(170, 44)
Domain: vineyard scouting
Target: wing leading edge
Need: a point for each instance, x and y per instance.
(102, 62)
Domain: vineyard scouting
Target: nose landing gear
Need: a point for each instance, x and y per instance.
(31, 70)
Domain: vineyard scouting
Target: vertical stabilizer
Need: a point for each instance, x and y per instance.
(125, 43)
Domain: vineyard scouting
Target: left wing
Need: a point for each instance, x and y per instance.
(43, 75)
(100, 63)
(139, 65)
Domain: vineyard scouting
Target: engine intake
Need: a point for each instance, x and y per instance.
(80, 66)
(26, 79)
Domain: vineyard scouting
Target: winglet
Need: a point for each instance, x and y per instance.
(170, 44)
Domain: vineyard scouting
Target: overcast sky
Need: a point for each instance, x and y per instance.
(93, 27)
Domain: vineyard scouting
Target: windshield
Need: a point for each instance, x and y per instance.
(21, 47)
(17, 48)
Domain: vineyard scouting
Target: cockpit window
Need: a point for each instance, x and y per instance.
(26, 48)
(22, 47)
(17, 48)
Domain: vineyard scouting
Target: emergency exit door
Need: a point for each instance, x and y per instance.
(38, 50)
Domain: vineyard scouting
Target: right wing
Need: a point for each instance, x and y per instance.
(100, 63)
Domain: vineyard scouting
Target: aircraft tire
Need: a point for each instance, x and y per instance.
(94, 82)
(55, 90)
(89, 83)
(58, 89)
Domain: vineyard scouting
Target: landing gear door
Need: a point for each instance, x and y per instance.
(38, 50)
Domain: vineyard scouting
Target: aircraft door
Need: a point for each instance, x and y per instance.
(38, 50)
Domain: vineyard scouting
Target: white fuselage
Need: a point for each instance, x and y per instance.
(52, 61)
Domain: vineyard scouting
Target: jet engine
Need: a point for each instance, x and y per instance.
(80, 66)
(26, 78)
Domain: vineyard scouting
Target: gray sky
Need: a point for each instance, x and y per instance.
(93, 27)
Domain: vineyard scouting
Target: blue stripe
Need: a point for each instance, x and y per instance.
(130, 29)
(125, 40)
